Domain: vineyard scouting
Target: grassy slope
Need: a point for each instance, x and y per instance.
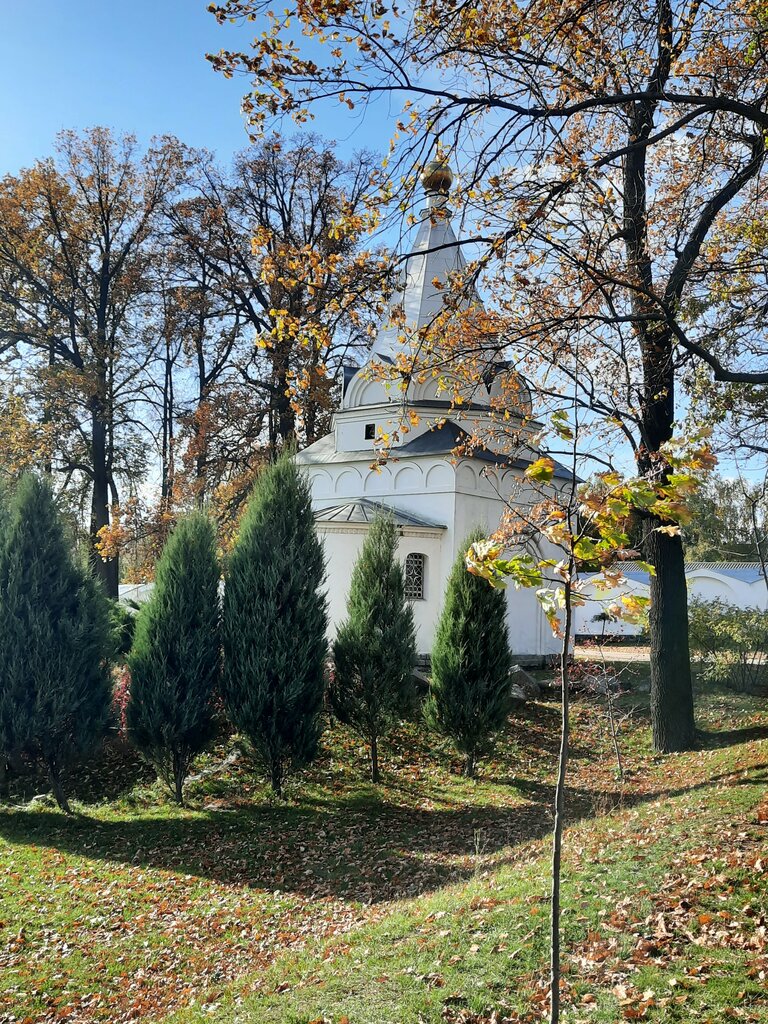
(634, 910)
(136, 909)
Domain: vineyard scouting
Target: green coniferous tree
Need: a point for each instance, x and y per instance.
(375, 648)
(176, 655)
(469, 697)
(274, 624)
(55, 687)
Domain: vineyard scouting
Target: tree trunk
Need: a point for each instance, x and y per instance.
(557, 835)
(671, 684)
(54, 776)
(672, 717)
(276, 777)
(470, 766)
(671, 681)
(283, 413)
(105, 570)
(5, 791)
(178, 780)
(167, 452)
(375, 777)
(200, 421)
(47, 412)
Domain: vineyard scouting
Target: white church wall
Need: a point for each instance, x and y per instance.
(427, 611)
(529, 632)
(756, 595)
(323, 485)
(350, 431)
(712, 587)
(341, 552)
(342, 549)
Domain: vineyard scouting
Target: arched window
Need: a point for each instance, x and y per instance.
(415, 573)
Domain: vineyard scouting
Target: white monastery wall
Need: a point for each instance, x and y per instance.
(707, 584)
(599, 600)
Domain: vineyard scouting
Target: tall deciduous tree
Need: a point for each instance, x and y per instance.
(176, 655)
(219, 433)
(276, 241)
(76, 270)
(603, 146)
(375, 649)
(274, 622)
(55, 640)
(470, 691)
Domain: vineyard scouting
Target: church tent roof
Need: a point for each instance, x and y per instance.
(436, 256)
(365, 511)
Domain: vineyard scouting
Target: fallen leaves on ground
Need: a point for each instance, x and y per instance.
(132, 913)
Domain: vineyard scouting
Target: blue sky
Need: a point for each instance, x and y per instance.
(132, 65)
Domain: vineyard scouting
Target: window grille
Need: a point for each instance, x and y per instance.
(415, 571)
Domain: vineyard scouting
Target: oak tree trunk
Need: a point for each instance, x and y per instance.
(672, 716)
(672, 720)
(105, 570)
(671, 682)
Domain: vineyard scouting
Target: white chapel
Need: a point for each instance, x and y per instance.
(435, 496)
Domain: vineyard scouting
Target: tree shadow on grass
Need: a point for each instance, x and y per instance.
(353, 850)
(719, 739)
(357, 851)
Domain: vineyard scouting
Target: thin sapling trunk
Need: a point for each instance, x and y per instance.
(557, 835)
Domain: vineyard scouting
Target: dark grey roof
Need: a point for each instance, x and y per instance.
(442, 440)
(363, 510)
(348, 372)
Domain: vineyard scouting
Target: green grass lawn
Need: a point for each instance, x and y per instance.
(422, 900)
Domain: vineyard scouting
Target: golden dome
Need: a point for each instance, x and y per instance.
(437, 177)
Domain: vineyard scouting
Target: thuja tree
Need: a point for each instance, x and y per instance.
(375, 649)
(176, 655)
(54, 641)
(274, 623)
(470, 690)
